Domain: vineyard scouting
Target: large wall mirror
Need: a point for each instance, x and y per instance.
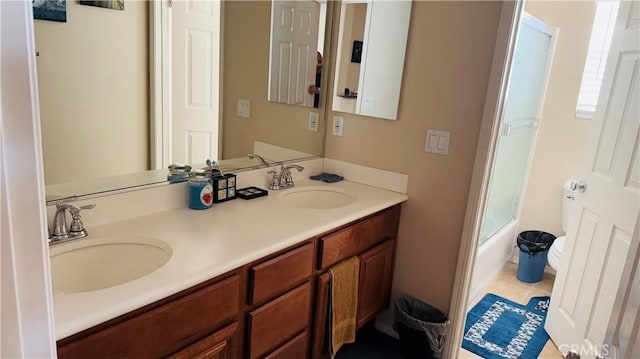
(96, 90)
(370, 57)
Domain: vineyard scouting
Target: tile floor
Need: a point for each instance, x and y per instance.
(508, 286)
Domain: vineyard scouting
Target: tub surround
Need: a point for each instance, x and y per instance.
(205, 243)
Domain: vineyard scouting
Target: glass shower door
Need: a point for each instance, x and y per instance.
(518, 125)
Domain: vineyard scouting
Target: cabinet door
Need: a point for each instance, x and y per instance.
(374, 288)
(214, 346)
(320, 347)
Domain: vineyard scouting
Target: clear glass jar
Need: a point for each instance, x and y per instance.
(178, 173)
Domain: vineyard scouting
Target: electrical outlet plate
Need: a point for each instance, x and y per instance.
(244, 108)
(314, 120)
(338, 125)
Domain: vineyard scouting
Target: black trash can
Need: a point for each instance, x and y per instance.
(534, 247)
(421, 327)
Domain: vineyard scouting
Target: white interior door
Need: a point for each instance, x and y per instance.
(603, 229)
(195, 74)
(294, 42)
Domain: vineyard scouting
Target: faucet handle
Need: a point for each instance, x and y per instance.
(76, 228)
(75, 211)
(65, 201)
(275, 181)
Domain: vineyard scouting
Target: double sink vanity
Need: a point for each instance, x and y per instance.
(245, 279)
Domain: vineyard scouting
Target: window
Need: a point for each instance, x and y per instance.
(601, 34)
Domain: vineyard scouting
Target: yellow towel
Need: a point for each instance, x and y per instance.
(344, 303)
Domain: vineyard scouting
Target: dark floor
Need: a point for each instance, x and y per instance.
(371, 344)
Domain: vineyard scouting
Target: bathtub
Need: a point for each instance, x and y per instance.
(491, 258)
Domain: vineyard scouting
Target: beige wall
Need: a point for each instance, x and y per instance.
(349, 73)
(561, 143)
(246, 75)
(93, 80)
(448, 60)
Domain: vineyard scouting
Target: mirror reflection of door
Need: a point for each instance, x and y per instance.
(195, 85)
(294, 49)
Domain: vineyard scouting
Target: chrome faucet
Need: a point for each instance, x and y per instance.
(286, 180)
(283, 179)
(263, 162)
(62, 233)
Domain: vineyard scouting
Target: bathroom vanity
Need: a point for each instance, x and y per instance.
(233, 289)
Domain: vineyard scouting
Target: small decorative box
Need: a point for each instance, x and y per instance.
(251, 192)
(224, 187)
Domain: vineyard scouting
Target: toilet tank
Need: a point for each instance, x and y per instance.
(568, 197)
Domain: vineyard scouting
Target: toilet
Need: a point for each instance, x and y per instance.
(568, 196)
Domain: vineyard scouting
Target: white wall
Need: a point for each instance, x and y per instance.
(562, 138)
(93, 79)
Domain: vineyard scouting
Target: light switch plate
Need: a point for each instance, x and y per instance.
(369, 103)
(338, 125)
(437, 142)
(314, 120)
(244, 108)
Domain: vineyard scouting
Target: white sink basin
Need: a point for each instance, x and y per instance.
(92, 264)
(316, 197)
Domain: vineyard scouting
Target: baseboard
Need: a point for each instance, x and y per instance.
(485, 284)
(386, 329)
(547, 268)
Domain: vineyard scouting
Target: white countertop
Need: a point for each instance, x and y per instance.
(210, 243)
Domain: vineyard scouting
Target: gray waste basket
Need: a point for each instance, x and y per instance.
(421, 328)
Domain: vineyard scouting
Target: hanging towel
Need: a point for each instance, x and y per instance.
(343, 304)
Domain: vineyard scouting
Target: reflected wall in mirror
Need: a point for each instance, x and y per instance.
(94, 76)
(93, 86)
(246, 76)
(371, 87)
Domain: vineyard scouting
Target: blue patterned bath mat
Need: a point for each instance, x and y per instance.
(498, 328)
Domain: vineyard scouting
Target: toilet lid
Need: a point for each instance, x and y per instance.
(558, 244)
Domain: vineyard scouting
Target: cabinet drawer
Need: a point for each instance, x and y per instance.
(275, 322)
(280, 273)
(214, 346)
(161, 330)
(358, 237)
(294, 348)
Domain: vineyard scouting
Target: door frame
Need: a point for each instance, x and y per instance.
(159, 84)
(485, 152)
(27, 318)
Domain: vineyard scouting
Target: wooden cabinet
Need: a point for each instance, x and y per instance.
(275, 322)
(160, 329)
(264, 309)
(374, 289)
(358, 237)
(214, 346)
(320, 345)
(295, 348)
(278, 274)
(375, 281)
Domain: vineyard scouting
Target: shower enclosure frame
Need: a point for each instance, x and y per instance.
(497, 249)
(487, 141)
